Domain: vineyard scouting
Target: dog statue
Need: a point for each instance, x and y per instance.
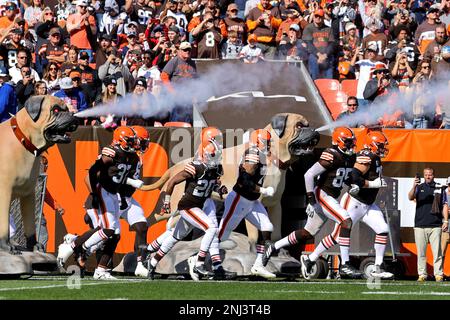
(291, 138)
(41, 123)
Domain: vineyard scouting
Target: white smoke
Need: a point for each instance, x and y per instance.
(218, 80)
(428, 95)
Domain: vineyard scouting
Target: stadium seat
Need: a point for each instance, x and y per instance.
(327, 84)
(177, 124)
(336, 108)
(334, 96)
(349, 86)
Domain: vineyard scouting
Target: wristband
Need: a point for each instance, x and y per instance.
(167, 198)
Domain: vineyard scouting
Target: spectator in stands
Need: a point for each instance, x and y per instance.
(33, 13)
(423, 71)
(345, 68)
(71, 62)
(111, 19)
(208, 37)
(423, 107)
(8, 98)
(179, 69)
(232, 48)
(370, 10)
(22, 61)
(402, 71)
(352, 109)
(40, 88)
(108, 95)
(53, 50)
(251, 53)
(46, 23)
(285, 9)
(380, 85)
(425, 32)
(344, 13)
(263, 21)
(62, 11)
(403, 43)
(364, 70)
(73, 97)
(292, 47)
(427, 225)
(321, 48)
(81, 26)
(9, 20)
(25, 86)
(114, 67)
(439, 66)
(150, 73)
(292, 17)
(233, 23)
(101, 53)
(375, 37)
(403, 21)
(351, 37)
(52, 76)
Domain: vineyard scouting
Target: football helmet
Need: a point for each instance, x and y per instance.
(377, 142)
(210, 134)
(344, 139)
(125, 138)
(143, 138)
(260, 139)
(211, 154)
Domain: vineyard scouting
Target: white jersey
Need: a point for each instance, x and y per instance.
(180, 17)
(365, 71)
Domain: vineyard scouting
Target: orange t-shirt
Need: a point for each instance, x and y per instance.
(79, 37)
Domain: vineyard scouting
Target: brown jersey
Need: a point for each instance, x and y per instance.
(378, 39)
(338, 166)
(366, 157)
(209, 44)
(255, 157)
(199, 185)
(238, 25)
(135, 173)
(141, 15)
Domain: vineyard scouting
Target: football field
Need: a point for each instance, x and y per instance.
(130, 288)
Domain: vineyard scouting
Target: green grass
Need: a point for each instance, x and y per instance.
(54, 288)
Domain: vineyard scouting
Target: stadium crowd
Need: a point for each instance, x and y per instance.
(88, 52)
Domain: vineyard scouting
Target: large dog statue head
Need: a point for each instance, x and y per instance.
(292, 134)
(49, 121)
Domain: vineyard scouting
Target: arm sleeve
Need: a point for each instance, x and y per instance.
(313, 172)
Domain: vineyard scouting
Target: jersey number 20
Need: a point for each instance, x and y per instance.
(203, 188)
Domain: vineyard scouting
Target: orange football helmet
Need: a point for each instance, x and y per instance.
(260, 138)
(211, 154)
(377, 142)
(211, 134)
(344, 139)
(143, 138)
(126, 138)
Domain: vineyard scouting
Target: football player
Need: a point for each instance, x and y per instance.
(334, 167)
(359, 200)
(202, 177)
(243, 203)
(209, 207)
(106, 176)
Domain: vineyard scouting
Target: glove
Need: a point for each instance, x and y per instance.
(269, 191)
(377, 183)
(135, 183)
(354, 190)
(222, 190)
(166, 205)
(311, 209)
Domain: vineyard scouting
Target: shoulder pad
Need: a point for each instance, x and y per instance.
(251, 155)
(364, 157)
(327, 155)
(190, 168)
(108, 152)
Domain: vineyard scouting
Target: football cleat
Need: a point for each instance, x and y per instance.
(201, 272)
(347, 271)
(260, 270)
(101, 274)
(422, 278)
(140, 270)
(307, 266)
(64, 252)
(379, 272)
(191, 263)
(221, 274)
(269, 250)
